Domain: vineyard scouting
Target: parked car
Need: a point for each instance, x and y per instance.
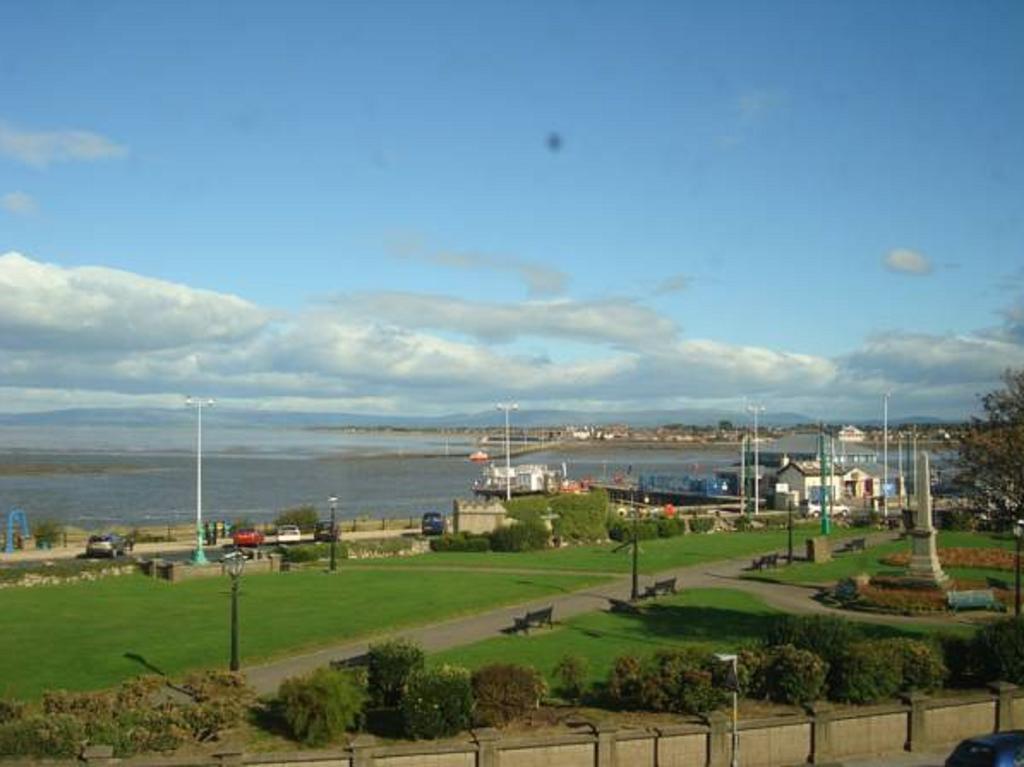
(323, 532)
(289, 534)
(835, 509)
(432, 523)
(247, 537)
(1005, 749)
(107, 545)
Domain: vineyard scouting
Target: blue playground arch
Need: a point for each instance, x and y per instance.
(12, 517)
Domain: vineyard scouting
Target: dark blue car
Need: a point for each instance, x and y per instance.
(1005, 749)
(432, 523)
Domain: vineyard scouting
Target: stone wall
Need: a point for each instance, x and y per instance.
(824, 734)
(477, 517)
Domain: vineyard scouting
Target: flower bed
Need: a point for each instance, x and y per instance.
(990, 559)
(896, 594)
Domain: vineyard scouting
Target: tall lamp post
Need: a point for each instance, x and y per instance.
(734, 685)
(885, 455)
(199, 556)
(508, 407)
(756, 410)
(234, 563)
(333, 501)
(1018, 534)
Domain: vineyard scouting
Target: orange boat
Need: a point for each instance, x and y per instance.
(479, 457)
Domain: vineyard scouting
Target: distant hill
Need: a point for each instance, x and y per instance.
(483, 419)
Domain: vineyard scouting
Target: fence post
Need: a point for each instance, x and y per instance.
(917, 730)
(486, 740)
(821, 732)
(719, 740)
(606, 752)
(1004, 704)
(363, 747)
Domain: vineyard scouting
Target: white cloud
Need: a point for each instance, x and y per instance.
(613, 321)
(96, 334)
(19, 203)
(540, 279)
(41, 148)
(906, 261)
(94, 308)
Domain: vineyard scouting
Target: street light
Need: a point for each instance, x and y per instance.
(1018, 533)
(508, 407)
(885, 454)
(199, 556)
(756, 410)
(234, 563)
(733, 683)
(333, 501)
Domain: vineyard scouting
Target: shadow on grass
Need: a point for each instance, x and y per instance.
(134, 656)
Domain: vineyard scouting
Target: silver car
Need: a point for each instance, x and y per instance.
(107, 545)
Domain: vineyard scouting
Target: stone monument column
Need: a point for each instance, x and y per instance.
(924, 557)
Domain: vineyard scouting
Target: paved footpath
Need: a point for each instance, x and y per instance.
(474, 628)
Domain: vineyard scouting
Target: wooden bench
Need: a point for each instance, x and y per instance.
(623, 607)
(977, 599)
(534, 619)
(667, 586)
(768, 560)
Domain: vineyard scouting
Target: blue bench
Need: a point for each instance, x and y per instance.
(978, 599)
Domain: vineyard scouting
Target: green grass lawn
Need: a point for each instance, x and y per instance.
(91, 635)
(870, 561)
(656, 555)
(718, 620)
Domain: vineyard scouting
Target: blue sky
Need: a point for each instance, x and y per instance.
(356, 207)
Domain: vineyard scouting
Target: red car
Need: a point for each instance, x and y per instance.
(247, 537)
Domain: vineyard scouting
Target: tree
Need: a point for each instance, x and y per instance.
(992, 453)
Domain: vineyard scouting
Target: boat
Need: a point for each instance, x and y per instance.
(479, 457)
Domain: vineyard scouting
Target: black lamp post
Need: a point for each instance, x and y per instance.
(234, 563)
(1018, 533)
(789, 528)
(333, 501)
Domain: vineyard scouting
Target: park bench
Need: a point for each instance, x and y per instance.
(768, 560)
(667, 586)
(977, 599)
(534, 619)
(856, 544)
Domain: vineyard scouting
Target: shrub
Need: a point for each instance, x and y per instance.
(752, 670)
(671, 527)
(625, 682)
(571, 673)
(321, 706)
(305, 517)
(47, 532)
(221, 701)
(580, 517)
(680, 681)
(522, 536)
(824, 635)
(959, 657)
(389, 666)
(460, 542)
(54, 736)
(11, 710)
(921, 665)
(438, 702)
(506, 692)
(867, 672)
(622, 529)
(998, 651)
(794, 675)
(959, 520)
(702, 525)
